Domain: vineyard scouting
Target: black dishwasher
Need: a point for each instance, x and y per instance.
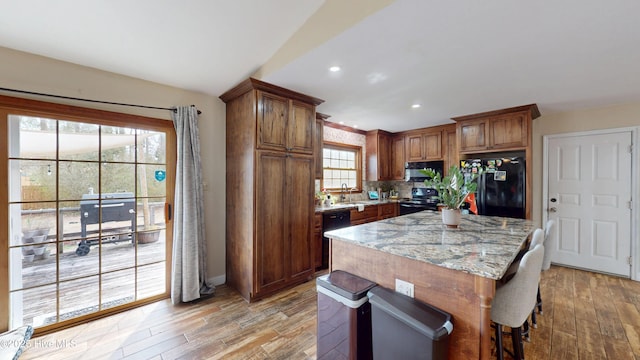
(332, 221)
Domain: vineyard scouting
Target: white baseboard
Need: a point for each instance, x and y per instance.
(218, 280)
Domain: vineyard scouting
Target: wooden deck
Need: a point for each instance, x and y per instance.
(80, 284)
(586, 316)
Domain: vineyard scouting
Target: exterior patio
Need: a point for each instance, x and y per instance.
(105, 277)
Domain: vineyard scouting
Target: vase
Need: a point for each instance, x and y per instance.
(451, 217)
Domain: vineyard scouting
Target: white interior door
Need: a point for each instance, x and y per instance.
(589, 194)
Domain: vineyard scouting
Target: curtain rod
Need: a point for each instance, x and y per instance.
(90, 100)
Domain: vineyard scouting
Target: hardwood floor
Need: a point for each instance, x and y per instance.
(586, 316)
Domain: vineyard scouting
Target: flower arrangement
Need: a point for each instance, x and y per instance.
(454, 188)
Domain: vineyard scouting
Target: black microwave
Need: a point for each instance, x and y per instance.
(412, 169)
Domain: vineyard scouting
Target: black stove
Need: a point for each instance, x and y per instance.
(421, 199)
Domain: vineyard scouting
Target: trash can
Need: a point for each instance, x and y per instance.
(405, 328)
(344, 316)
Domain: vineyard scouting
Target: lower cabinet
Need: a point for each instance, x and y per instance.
(388, 210)
(370, 213)
(374, 213)
(284, 253)
(317, 240)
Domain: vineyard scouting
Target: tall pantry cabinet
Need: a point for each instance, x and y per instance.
(270, 188)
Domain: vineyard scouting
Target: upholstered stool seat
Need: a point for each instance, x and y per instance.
(514, 300)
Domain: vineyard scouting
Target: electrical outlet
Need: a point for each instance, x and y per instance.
(404, 288)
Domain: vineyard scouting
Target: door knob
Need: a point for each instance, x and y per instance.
(553, 209)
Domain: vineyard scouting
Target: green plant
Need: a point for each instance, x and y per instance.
(453, 188)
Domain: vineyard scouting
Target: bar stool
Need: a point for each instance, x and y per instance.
(549, 242)
(514, 300)
(537, 239)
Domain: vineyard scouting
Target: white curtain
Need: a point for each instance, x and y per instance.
(188, 268)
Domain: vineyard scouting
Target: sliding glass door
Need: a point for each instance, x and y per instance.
(86, 215)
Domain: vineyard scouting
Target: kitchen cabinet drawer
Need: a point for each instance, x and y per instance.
(370, 213)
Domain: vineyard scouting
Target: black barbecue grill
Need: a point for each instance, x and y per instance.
(96, 208)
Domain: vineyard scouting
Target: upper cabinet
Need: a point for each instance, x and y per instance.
(285, 124)
(320, 118)
(378, 147)
(500, 130)
(397, 157)
(423, 145)
(449, 146)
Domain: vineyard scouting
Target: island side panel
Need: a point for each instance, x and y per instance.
(450, 290)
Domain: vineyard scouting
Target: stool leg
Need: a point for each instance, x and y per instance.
(518, 347)
(539, 301)
(499, 349)
(534, 321)
(525, 331)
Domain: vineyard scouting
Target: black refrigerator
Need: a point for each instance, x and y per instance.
(501, 187)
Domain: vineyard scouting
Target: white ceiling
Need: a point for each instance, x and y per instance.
(453, 57)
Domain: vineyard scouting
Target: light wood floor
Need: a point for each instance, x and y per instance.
(586, 316)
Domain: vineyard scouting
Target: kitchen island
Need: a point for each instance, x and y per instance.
(453, 269)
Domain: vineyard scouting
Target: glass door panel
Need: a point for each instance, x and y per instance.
(86, 215)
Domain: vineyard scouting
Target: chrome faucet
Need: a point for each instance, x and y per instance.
(343, 192)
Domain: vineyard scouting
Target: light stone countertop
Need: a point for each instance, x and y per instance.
(481, 245)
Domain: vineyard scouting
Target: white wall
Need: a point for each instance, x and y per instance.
(39, 74)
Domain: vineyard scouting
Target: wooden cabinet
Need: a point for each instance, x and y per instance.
(388, 210)
(415, 147)
(424, 145)
(449, 145)
(374, 213)
(500, 130)
(370, 213)
(505, 131)
(270, 171)
(285, 124)
(317, 239)
(378, 147)
(320, 118)
(397, 158)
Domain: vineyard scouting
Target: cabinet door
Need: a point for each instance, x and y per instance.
(509, 131)
(397, 158)
(432, 146)
(270, 258)
(386, 211)
(301, 125)
(384, 160)
(473, 135)
(415, 147)
(300, 211)
(317, 240)
(273, 115)
(451, 150)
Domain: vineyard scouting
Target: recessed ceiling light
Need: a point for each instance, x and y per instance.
(341, 122)
(334, 68)
(355, 126)
(415, 106)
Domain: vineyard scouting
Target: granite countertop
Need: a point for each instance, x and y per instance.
(352, 205)
(481, 245)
